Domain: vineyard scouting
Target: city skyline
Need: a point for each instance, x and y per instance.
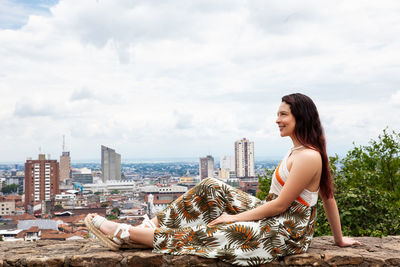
(183, 80)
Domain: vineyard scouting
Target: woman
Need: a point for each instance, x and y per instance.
(215, 220)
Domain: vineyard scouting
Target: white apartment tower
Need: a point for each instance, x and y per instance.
(227, 163)
(206, 167)
(244, 158)
(110, 164)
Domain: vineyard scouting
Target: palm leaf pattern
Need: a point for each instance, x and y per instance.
(268, 225)
(298, 211)
(173, 220)
(185, 208)
(210, 230)
(255, 261)
(206, 241)
(243, 236)
(227, 253)
(184, 227)
(273, 243)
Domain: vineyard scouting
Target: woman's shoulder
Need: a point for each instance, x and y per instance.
(308, 155)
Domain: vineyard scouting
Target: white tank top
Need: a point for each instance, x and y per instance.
(279, 178)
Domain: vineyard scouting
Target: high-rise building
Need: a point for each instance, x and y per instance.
(65, 166)
(206, 167)
(227, 163)
(110, 164)
(244, 158)
(42, 180)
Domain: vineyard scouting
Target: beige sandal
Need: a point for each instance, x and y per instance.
(114, 242)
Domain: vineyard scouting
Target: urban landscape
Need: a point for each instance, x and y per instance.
(48, 199)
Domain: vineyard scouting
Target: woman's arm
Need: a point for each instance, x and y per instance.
(303, 170)
(332, 213)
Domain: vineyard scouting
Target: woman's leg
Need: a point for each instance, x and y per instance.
(143, 236)
(204, 203)
(155, 221)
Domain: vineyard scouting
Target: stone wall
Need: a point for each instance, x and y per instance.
(372, 252)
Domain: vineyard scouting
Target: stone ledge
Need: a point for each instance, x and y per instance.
(372, 252)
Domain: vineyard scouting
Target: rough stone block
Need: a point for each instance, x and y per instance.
(303, 259)
(96, 260)
(145, 259)
(338, 259)
(36, 261)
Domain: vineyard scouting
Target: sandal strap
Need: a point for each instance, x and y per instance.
(124, 228)
(98, 220)
(147, 222)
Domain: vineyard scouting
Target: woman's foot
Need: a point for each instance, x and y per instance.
(105, 226)
(113, 235)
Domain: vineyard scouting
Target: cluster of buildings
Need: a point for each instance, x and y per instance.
(237, 171)
(52, 198)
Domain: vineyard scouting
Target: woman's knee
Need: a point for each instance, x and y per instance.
(209, 181)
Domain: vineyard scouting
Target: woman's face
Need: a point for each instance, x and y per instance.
(286, 121)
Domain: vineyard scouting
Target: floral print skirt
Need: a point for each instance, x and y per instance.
(183, 227)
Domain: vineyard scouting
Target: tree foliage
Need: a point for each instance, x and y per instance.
(116, 211)
(367, 188)
(58, 207)
(264, 183)
(115, 191)
(8, 189)
(111, 217)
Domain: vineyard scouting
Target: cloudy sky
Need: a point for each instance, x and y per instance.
(182, 79)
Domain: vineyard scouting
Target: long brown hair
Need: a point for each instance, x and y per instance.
(309, 132)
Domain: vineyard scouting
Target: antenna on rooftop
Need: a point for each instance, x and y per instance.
(63, 145)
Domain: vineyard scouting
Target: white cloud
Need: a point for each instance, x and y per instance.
(395, 99)
(186, 79)
(29, 109)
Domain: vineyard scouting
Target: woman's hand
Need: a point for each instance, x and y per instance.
(224, 218)
(347, 242)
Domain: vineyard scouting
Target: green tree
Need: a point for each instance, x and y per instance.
(378, 164)
(116, 211)
(264, 183)
(367, 192)
(111, 217)
(115, 191)
(8, 189)
(58, 207)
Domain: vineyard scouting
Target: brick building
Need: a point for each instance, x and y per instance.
(42, 180)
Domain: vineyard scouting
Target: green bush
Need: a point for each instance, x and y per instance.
(111, 217)
(264, 183)
(9, 189)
